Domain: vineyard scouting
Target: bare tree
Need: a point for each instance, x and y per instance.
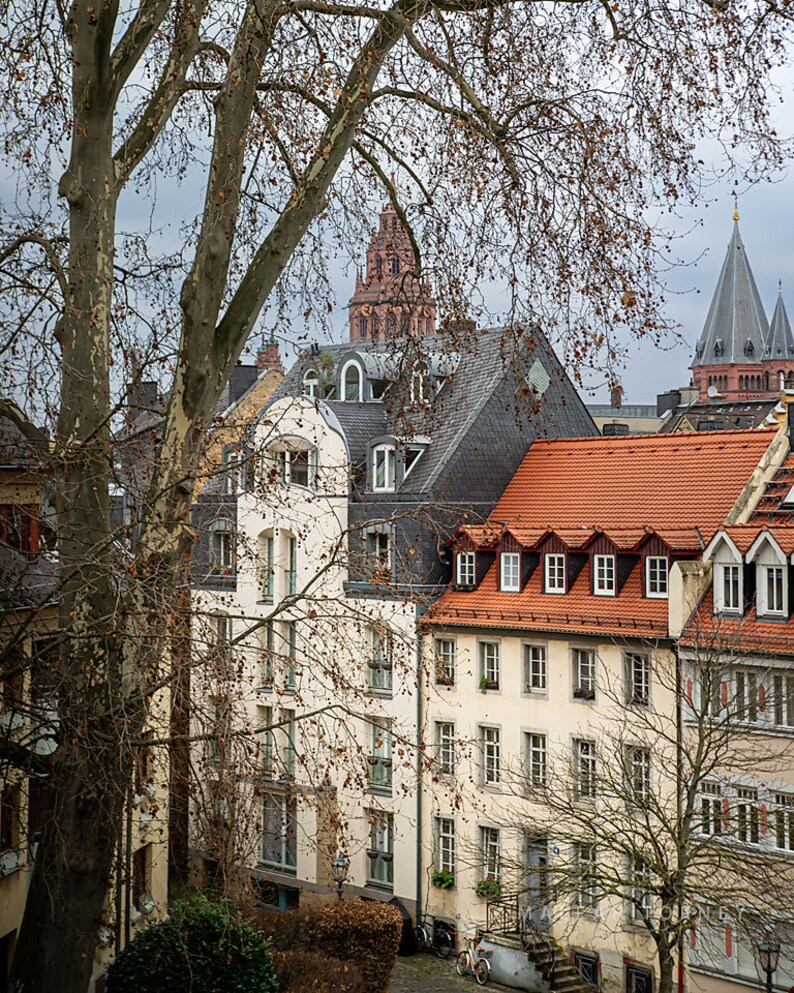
(531, 136)
(649, 829)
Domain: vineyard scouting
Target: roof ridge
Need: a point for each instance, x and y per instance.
(669, 438)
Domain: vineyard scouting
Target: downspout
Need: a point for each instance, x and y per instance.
(419, 757)
(679, 730)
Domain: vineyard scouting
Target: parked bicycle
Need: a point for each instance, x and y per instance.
(438, 937)
(474, 959)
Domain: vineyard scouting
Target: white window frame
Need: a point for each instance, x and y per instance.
(728, 590)
(555, 568)
(535, 668)
(446, 745)
(491, 852)
(711, 812)
(380, 870)
(381, 755)
(232, 461)
(466, 568)
(637, 675)
(311, 384)
(445, 656)
(490, 662)
(285, 457)
(746, 696)
(638, 775)
(381, 665)
(510, 572)
(586, 768)
(445, 844)
(221, 545)
(348, 366)
(783, 698)
(537, 759)
(604, 575)
(384, 463)
(748, 815)
(587, 869)
(657, 581)
(640, 903)
(782, 818)
(774, 605)
(585, 668)
(491, 745)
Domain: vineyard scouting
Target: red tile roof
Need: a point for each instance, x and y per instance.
(708, 633)
(674, 480)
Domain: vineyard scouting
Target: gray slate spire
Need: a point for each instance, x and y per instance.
(736, 327)
(780, 341)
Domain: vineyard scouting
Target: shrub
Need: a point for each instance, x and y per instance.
(490, 888)
(312, 972)
(442, 879)
(366, 933)
(202, 948)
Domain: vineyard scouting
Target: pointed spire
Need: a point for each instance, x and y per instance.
(780, 341)
(736, 327)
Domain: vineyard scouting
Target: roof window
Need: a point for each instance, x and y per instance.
(352, 383)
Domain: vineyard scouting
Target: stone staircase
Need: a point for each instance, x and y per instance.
(554, 964)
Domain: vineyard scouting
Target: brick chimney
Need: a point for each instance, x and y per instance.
(268, 357)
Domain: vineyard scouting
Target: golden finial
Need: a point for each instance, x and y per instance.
(735, 207)
(780, 287)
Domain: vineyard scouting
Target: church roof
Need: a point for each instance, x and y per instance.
(736, 327)
(780, 340)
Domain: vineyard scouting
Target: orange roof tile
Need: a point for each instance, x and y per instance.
(664, 481)
(628, 615)
(707, 633)
(743, 535)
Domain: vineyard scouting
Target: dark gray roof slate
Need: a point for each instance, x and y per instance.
(736, 327)
(780, 341)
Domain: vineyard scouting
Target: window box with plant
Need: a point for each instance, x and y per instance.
(488, 887)
(443, 879)
(488, 684)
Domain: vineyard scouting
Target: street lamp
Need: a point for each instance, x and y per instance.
(768, 956)
(339, 867)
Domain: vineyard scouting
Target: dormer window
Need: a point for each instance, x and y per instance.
(728, 588)
(383, 469)
(465, 563)
(510, 572)
(554, 573)
(656, 569)
(604, 575)
(411, 457)
(772, 590)
(749, 348)
(352, 383)
(718, 348)
(311, 384)
(297, 466)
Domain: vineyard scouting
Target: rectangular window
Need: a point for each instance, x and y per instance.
(536, 760)
(773, 581)
(445, 662)
(290, 754)
(297, 467)
(534, 668)
(604, 575)
(380, 757)
(656, 567)
(510, 572)
(268, 654)
(491, 756)
(383, 468)
(640, 896)
(219, 743)
(554, 573)
(489, 665)
(380, 855)
(490, 852)
(584, 673)
(141, 877)
(729, 583)
(445, 843)
(747, 815)
(637, 669)
(638, 774)
(9, 818)
(292, 567)
(279, 831)
(291, 651)
(267, 568)
(268, 743)
(445, 745)
(378, 544)
(585, 768)
(783, 691)
(587, 872)
(465, 563)
(784, 821)
(710, 690)
(746, 696)
(711, 808)
(231, 479)
(380, 663)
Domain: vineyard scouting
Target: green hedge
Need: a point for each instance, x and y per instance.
(202, 948)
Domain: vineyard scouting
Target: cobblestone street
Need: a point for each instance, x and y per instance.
(428, 974)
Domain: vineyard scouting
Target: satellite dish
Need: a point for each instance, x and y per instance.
(712, 391)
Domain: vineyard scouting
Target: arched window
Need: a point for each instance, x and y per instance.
(741, 382)
(749, 348)
(221, 550)
(374, 324)
(352, 383)
(395, 266)
(362, 326)
(378, 266)
(391, 325)
(311, 384)
(296, 466)
(383, 468)
(418, 380)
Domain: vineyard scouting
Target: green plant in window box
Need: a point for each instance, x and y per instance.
(488, 887)
(442, 879)
(488, 684)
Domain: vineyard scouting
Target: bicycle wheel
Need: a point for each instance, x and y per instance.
(462, 963)
(442, 945)
(482, 971)
(422, 940)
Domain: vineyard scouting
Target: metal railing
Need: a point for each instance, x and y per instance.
(508, 915)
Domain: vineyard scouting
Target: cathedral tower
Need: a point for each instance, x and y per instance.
(389, 300)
